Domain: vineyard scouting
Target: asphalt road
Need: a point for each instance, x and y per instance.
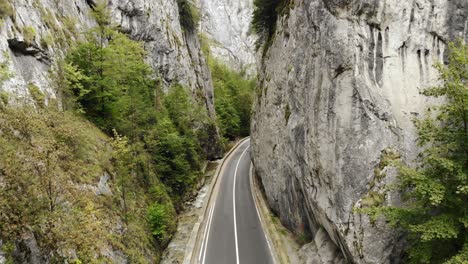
(233, 234)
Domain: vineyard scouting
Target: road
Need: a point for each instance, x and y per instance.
(232, 232)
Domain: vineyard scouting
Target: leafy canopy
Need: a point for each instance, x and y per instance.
(436, 213)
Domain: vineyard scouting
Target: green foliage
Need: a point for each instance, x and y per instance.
(47, 41)
(156, 135)
(38, 158)
(6, 10)
(53, 157)
(5, 73)
(29, 34)
(188, 14)
(233, 100)
(161, 217)
(111, 83)
(435, 213)
(36, 94)
(4, 98)
(265, 16)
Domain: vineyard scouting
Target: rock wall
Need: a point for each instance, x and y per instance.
(338, 89)
(37, 31)
(227, 25)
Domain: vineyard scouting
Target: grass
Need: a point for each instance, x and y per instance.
(29, 34)
(87, 222)
(4, 98)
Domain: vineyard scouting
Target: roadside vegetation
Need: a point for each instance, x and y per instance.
(435, 212)
(234, 93)
(233, 100)
(117, 121)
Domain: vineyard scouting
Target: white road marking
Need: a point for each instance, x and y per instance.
(259, 218)
(207, 233)
(234, 203)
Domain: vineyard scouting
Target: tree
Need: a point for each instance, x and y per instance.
(435, 213)
(233, 100)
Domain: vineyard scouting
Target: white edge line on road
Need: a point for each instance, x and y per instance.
(234, 202)
(219, 171)
(259, 218)
(207, 233)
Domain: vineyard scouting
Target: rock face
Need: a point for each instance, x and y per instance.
(339, 87)
(36, 32)
(227, 24)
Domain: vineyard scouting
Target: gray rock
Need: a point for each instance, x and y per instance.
(227, 24)
(339, 87)
(174, 54)
(2, 254)
(103, 187)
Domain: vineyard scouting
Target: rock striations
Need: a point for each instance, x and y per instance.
(339, 86)
(226, 24)
(33, 33)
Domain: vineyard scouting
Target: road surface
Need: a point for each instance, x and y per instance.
(232, 232)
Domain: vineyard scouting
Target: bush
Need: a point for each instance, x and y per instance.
(6, 10)
(29, 34)
(4, 98)
(162, 221)
(36, 94)
(435, 214)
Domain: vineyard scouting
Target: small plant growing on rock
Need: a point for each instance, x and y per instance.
(36, 94)
(4, 98)
(435, 214)
(6, 9)
(29, 34)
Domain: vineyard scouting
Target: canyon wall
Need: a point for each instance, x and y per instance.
(338, 90)
(226, 24)
(36, 32)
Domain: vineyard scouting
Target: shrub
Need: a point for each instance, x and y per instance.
(435, 214)
(4, 97)
(29, 34)
(161, 218)
(5, 73)
(6, 10)
(36, 94)
(47, 41)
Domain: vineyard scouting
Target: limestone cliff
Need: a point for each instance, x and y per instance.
(227, 24)
(339, 86)
(33, 33)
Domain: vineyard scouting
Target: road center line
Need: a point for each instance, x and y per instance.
(234, 203)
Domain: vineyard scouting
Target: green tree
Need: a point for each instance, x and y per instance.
(435, 213)
(233, 100)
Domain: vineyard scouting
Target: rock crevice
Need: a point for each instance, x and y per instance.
(349, 74)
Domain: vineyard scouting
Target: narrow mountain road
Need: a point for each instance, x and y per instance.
(232, 232)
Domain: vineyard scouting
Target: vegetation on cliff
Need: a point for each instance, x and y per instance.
(234, 92)
(435, 213)
(143, 150)
(265, 17)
